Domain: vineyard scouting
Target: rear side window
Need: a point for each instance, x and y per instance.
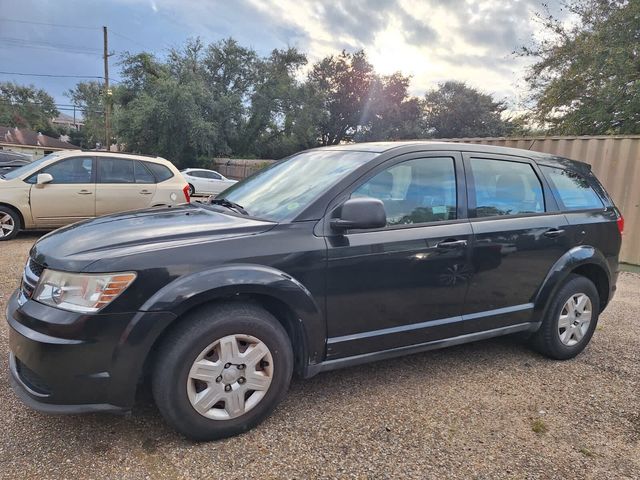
(161, 172)
(572, 189)
(505, 188)
(142, 174)
(115, 170)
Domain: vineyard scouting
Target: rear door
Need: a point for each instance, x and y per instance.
(69, 198)
(519, 234)
(123, 184)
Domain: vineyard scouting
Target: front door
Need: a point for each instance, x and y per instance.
(404, 284)
(123, 185)
(70, 197)
(518, 235)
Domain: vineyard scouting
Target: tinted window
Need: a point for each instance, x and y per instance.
(416, 191)
(505, 188)
(161, 172)
(215, 176)
(115, 170)
(71, 170)
(141, 174)
(572, 188)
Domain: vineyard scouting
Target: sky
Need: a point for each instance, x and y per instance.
(430, 40)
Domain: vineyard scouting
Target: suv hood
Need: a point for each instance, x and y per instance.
(74, 247)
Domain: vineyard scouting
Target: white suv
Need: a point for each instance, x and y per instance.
(74, 185)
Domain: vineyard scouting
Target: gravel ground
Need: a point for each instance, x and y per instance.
(491, 409)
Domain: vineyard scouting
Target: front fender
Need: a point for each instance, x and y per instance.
(198, 288)
(574, 258)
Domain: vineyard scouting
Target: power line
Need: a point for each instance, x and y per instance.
(21, 42)
(50, 75)
(83, 27)
(130, 39)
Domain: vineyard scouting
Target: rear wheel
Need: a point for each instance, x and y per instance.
(223, 371)
(571, 319)
(9, 223)
(192, 190)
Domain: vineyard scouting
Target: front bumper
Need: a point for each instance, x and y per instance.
(65, 362)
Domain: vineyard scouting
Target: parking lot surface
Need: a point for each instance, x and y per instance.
(491, 409)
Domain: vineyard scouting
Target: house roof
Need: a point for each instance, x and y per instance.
(29, 138)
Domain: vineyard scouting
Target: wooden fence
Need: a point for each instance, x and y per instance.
(615, 161)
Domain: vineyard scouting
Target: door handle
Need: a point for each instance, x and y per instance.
(145, 192)
(85, 192)
(554, 233)
(451, 244)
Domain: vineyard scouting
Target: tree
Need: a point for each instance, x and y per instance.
(344, 83)
(454, 110)
(586, 78)
(393, 114)
(26, 107)
(89, 97)
(358, 104)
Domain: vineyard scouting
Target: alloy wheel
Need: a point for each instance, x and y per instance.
(6, 225)
(230, 377)
(575, 319)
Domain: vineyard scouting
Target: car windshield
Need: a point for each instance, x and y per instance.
(286, 188)
(29, 167)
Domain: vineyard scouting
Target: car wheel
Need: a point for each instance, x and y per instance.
(192, 190)
(570, 321)
(10, 223)
(222, 370)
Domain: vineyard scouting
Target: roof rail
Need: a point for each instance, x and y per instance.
(119, 153)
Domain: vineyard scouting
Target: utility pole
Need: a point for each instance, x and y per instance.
(107, 93)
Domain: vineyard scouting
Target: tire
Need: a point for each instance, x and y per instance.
(192, 190)
(10, 223)
(175, 390)
(561, 343)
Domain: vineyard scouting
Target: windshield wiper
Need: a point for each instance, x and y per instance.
(223, 202)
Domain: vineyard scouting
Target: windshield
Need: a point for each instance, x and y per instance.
(286, 188)
(29, 167)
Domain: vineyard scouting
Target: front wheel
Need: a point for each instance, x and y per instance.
(222, 371)
(570, 321)
(9, 223)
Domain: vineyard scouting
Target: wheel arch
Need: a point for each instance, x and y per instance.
(583, 260)
(17, 211)
(275, 291)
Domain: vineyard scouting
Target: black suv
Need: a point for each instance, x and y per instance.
(330, 258)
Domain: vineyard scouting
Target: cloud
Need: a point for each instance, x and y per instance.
(430, 40)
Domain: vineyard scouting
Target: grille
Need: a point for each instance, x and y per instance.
(30, 277)
(36, 268)
(31, 379)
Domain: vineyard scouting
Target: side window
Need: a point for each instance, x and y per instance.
(70, 170)
(215, 176)
(142, 175)
(572, 188)
(505, 188)
(161, 172)
(115, 170)
(415, 191)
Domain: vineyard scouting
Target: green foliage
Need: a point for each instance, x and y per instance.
(586, 78)
(26, 107)
(352, 102)
(454, 110)
(89, 96)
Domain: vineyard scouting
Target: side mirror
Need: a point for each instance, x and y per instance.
(360, 213)
(43, 178)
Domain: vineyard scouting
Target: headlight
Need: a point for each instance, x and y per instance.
(81, 292)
